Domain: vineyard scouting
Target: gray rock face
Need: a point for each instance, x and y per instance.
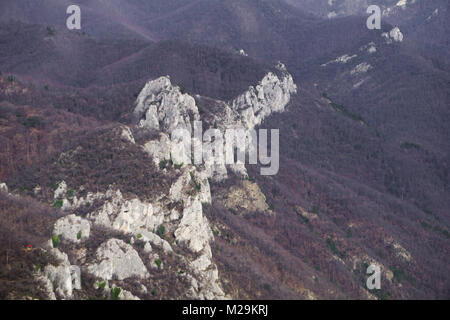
(63, 278)
(47, 286)
(180, 189)
(271, 95)
(206, 287)
(117, 260)
(60, 190)
(128, 216)
(194, 230)
(127, 135)
(159, 149)
(3, 187)
(151, 238)
(72, 228)
(162, 106)
(395, 35)
(126, 295)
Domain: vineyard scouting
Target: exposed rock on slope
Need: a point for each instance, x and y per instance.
(61, 190)
(272, 94)
(162, 106)
(3, 187)
(246, 198)
(72, 228)
(395, 35)
(60, 278)
(147, 224)
(116, 259)
(128, 216)
(168, 230)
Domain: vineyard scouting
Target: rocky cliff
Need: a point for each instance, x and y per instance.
(163, 107)
(122, 242)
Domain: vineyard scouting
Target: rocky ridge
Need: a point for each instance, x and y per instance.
(171, 227)
(162, 106)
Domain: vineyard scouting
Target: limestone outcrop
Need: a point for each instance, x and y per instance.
(117, 259)
(72, 228)
(159, 231)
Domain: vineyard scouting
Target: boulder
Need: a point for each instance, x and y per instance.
(128, 216)
(72, 228)
(193, 230)
(60, 190)
(127, 135)
(3, 187)
(117, 260)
